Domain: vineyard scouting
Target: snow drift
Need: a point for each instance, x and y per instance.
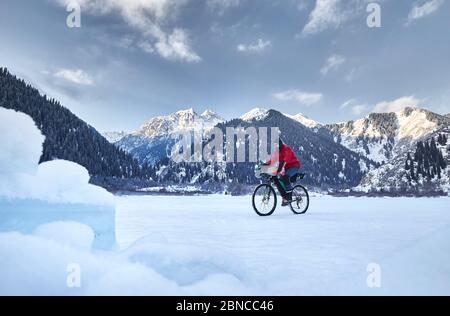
(39, 264)
(32, 194)
(54, 181)
(21, 143)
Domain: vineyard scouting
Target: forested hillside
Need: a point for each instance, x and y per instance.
(66, 136)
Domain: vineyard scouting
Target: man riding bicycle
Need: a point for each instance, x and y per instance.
(289, 166)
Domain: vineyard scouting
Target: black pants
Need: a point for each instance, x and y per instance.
(282, 183)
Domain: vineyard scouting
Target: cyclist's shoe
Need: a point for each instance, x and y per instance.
(289, 196)
(287, 199)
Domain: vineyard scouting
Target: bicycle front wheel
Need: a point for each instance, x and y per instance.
(264, 200)
(300, 200)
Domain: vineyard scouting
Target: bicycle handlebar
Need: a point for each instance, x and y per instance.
(260, 174)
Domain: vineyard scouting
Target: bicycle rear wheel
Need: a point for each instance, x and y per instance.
(300, 200)
(264, 200)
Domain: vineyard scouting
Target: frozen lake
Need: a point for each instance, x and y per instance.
(326, 251)
(217, 245)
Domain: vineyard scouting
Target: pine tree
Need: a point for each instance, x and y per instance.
(407, 163)
(441, 161)
(413, 176)
(441, 140)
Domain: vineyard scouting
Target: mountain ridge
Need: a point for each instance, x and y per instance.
(179, 122)
(381, 136)
(327, 163)
(423, 167)
(365, 154)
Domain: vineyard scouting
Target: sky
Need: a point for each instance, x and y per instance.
(131, 60)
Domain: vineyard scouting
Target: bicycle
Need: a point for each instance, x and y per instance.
(264, 198)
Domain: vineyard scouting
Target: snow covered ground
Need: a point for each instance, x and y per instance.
(60, 235)
(326, 251)
(216, 245)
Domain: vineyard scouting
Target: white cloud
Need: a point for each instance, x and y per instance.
(397, 105)
(77, 76)
(304, 98)
(332, 63)
(137, 13)
(149, 18)
(355, 107)
(146, 47)
(258, 47)
(326, 14)
(421, 11)
(348, 103)
(334, 13)
(359, 109)
(176, 46)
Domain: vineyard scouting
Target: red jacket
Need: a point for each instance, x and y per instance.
(287, 156)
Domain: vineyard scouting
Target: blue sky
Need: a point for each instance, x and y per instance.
(134, 59)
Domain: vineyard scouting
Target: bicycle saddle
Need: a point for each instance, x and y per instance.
(298, 176)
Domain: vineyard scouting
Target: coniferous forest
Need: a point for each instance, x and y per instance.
(428, 161)
(66, 136)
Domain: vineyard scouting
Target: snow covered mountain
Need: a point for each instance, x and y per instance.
(114, 137)
(153, 142)
(260, 114)
(382, 136)
(335, 155)
(422, 169)
(181, 121)
(304, 120)
(328, 164)
(255, 114)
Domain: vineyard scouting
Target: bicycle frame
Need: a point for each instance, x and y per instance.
(272, 181)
